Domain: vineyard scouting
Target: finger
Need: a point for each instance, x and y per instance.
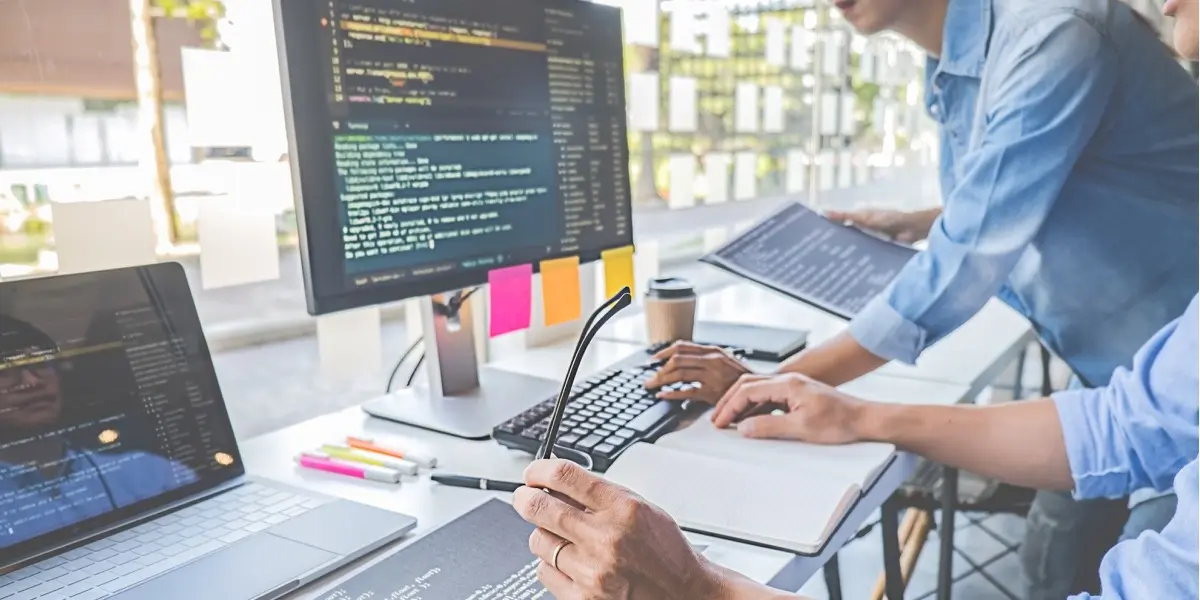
(731, 393)
(572, 481)
(682, 368)
(700, 394)
(683, 348)
(543, 544)
(783, 427)
(548, 512)
(558, 584)
(837, 215)
(750, 393)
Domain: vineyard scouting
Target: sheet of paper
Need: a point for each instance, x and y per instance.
(641, 22)
(108, 234)
(720, 42)
(682, 171)
(682, 109)
(684, 29)
(510, 298)
(238, 243)
(643, 102)
(217, 88)
(845, 170)
(849, 117)
(797, 171)
(646, 265)
(745, 176)
(350, 343)
(746, 98)
(618, 270)
(716, 174)
(802, 48)
(776, 42)
(834, 64)
(773, 113)
(826, 171)
(866, 63)
(829, 113)
(562, 296)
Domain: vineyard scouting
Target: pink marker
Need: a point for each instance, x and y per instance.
(340, 468)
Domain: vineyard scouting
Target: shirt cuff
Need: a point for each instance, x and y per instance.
(887, 334)
(1090, 460)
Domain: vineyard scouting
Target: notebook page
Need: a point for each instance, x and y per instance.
(731, 499)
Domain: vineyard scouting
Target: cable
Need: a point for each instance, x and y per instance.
(403, 357)
(447, 310)
(112, 501)
(416, 368)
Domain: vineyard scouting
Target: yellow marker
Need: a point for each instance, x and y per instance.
(618, 270)
(562, 300)
(370, 458)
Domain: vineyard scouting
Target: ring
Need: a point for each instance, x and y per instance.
(558, 550)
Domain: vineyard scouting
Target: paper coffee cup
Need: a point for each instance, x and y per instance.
(670, 310)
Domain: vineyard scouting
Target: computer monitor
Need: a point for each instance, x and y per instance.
(432, 141)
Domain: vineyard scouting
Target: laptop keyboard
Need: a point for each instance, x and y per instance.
(130, 557)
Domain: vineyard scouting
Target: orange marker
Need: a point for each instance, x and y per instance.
(428, 462)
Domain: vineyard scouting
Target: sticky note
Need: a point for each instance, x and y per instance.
(826, 171)
(797, 171)
(641, 22)
(773, 113)
(237, 242)
(646, 263)
(716, 174)
(745, 176)
(720, 40)
(682, 171)
(643, 102)
(845, 170)
(835, 54)
(510, 297)
(802, 46)
(109, 234)
(350, 343)
(684, 29)
(829, 113)
(562, 298)
(776, 42)
(849, 124)
(866, 63)
(618, 270)
(682, 109)
(746, 111)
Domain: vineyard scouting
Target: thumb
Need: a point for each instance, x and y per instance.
(838, 215)
(769, 427)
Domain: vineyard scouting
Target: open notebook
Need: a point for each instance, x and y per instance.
(784, 495)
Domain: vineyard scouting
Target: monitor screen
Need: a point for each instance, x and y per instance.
(435, 140)
(109, 405)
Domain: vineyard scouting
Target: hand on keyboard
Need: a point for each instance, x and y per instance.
(695, 372)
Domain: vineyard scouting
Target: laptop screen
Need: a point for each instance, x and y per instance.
(109, 404)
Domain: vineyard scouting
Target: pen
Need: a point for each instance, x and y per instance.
(477, 483)
(320, 462)
(355, 455)
(428, 462)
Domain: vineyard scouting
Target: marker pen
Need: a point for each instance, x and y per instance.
(355, 455)
(428, 462)
(321, 462)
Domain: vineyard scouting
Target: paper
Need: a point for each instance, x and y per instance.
(746, 96)
(826, 172)
(716, 174)
(797, 171)
(829, 113)
(643, 102)
(682, 109)
(773, 114)
(745, 176)
(866, 63)
(682, 190)
(641, 22)
(845, 170)
(802, 48)
(618, 270)
(108, 234)
(562, 297)
(237, 242)
(720, 42)
(683, 29)
(834, 63)
(510, 292)
(776, 43)
(646, 263)
(350, 343)
(217, 86)
(849, 120)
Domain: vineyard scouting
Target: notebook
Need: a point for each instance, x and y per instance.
(783, 495)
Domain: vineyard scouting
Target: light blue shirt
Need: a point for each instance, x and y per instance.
(1069, 179)
(1139, 432)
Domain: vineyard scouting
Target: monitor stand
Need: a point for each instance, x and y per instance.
(460, 398)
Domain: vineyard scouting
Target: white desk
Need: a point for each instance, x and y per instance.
(974, 355)
(433, 505)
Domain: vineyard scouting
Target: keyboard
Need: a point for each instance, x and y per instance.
(135, 555)
(607, 413)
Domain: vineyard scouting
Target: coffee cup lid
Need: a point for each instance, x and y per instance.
(670, 287)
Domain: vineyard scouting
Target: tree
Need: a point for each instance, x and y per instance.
(153, 156)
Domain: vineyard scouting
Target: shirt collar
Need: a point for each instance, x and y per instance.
(966, 37)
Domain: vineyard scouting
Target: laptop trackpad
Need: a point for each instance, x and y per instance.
(247, 568)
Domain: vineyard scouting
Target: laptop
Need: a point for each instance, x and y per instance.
(120, 476)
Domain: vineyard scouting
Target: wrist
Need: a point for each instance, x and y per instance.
(869, 420)
(730, 585)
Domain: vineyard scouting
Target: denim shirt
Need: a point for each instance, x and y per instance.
(1138, 432)
(1069, 179)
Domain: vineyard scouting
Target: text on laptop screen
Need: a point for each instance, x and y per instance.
(108, 402)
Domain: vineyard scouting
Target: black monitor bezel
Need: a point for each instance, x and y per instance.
(166, 274)
(308, 122)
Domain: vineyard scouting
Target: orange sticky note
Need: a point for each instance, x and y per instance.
(618, 270)
(562, 300)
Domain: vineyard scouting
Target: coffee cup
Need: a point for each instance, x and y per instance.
(670, 310)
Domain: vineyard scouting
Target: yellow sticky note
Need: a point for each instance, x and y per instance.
(562, 300)
(618, 270)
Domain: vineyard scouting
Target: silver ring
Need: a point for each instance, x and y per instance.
(558, 550)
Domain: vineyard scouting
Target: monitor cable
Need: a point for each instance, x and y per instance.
(449, 310)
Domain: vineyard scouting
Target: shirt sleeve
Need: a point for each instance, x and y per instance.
(1140, 430)
(1044, 98)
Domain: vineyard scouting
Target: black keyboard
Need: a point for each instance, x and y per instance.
(607, 413)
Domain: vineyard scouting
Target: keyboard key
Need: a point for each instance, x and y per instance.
(169, 551)
(146, 549)
(77, 564)
(605, 450)
(18, 586)
(150, 559)
(296, 511)
(586, 444)
(626, 433)
(97, 568)
(103, 578)
(101, 544)
(313, 502)
(655, 414)
(192, 542)
(232, 537)
(254, 527)
(609, 427)
(72, 577)
(45, 588)
(51, 573)
(125, 569)
(126, 546)
(92, 594)
(276, 519)
(76, 554)
(122, 558)
(51, 562)
(568, 440)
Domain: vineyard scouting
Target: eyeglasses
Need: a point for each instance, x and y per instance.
(13, 379)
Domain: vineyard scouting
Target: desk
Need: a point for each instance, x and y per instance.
(271, 456)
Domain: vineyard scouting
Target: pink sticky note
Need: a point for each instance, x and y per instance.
(510, 296)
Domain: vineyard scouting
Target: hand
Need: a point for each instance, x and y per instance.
(903, 227)
(815, 412)
(713, 368)
(620, 545)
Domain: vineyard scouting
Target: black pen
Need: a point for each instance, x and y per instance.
(476, 483)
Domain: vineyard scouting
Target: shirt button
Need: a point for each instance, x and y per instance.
(934, 110)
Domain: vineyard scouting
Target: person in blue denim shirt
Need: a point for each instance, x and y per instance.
(1069, 178)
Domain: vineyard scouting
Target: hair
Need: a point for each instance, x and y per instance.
(20, 339)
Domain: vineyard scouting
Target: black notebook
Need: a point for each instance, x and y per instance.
(801, 254)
